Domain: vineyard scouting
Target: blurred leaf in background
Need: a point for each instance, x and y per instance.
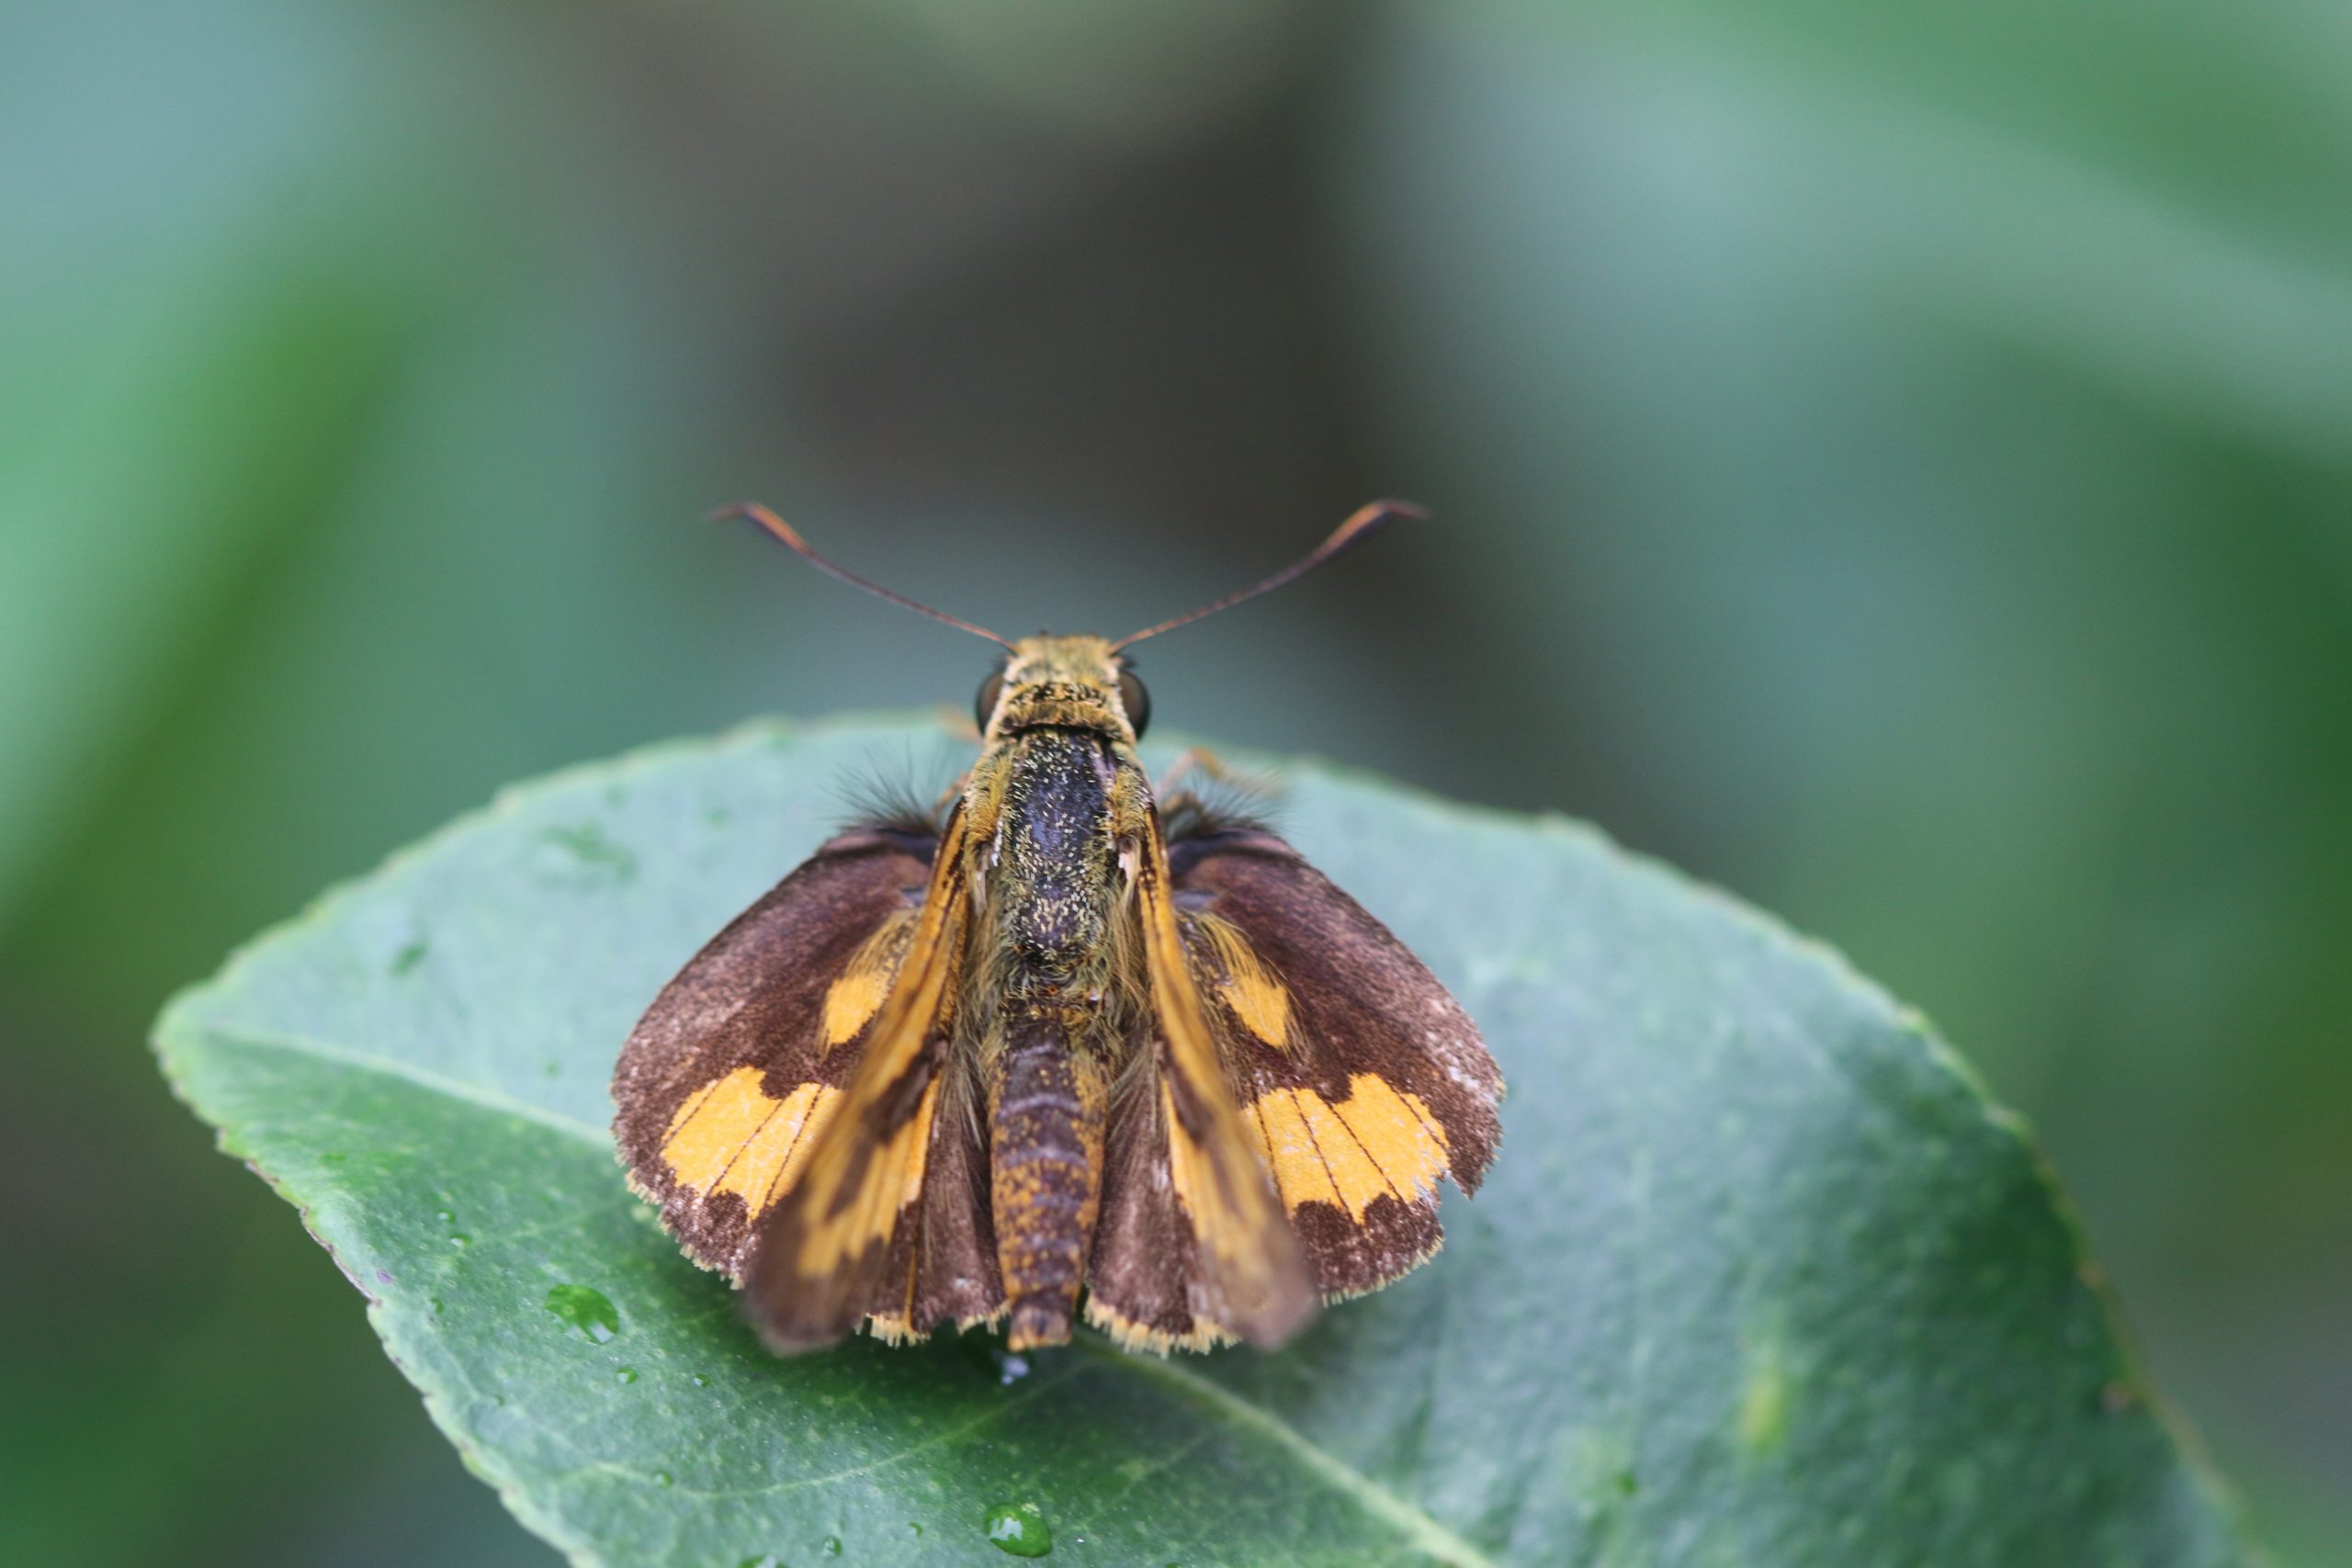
(1961, 558)
(1900, 455)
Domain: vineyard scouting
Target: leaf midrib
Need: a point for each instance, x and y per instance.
(1421, 1529)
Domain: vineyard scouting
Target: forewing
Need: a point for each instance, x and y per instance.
(1362, 1081)
(744, 1056)
(849, 1238)
(1192, 1247)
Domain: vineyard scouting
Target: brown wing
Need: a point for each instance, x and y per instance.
(743, 1055)
(1362, 1080)
(886, 1221)
(1191, 1247)
(748, 1054)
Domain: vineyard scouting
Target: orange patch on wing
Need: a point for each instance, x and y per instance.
(733, 1136)
(1373, 1140)
(1257, 999)
(851, 1001)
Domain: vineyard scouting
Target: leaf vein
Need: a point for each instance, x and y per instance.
(1409, 1519)
(481, 1095)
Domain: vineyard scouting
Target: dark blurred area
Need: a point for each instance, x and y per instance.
(1892, 461)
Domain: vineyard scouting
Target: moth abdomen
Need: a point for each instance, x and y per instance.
(1045, 1154)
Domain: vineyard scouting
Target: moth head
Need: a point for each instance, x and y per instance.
(1069, 682)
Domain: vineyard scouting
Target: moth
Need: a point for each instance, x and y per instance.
(1063, 1049)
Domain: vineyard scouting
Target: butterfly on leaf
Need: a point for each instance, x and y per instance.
(1065, 1049)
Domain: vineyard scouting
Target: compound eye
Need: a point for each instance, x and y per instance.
(1135, 700)
(984, 704)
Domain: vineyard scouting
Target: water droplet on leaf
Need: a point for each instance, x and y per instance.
(626, 1374)
(1019, 1528)
(582, 857)
(589, 1312)
(992, 1360)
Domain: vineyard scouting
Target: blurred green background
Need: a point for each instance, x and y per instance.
(1891, 460)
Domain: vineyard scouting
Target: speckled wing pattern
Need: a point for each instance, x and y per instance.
(1361, 1079)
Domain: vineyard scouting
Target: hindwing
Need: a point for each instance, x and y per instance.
(1362, 1080)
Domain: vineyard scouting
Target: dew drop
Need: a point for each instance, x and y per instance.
(626, 1374)
(764, 1560)
(459, 1238)
(582, 858)
(661, 1478)
(432, 1305)
(1019, 1528)
(445, 1216)
(588, 1311)
(701, 1381)
(833, 1546)
(992, 1360)
(409, 956)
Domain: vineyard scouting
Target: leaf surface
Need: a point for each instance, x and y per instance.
(1759, 1276)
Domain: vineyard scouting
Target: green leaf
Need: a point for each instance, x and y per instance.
(1759, 1276)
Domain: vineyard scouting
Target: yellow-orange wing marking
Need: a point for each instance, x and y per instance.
(733, 1136)
(1348, 1152)
(1259, 1001)
(855, 998)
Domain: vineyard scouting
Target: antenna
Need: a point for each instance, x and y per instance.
(1364, 522)
(784, 534)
